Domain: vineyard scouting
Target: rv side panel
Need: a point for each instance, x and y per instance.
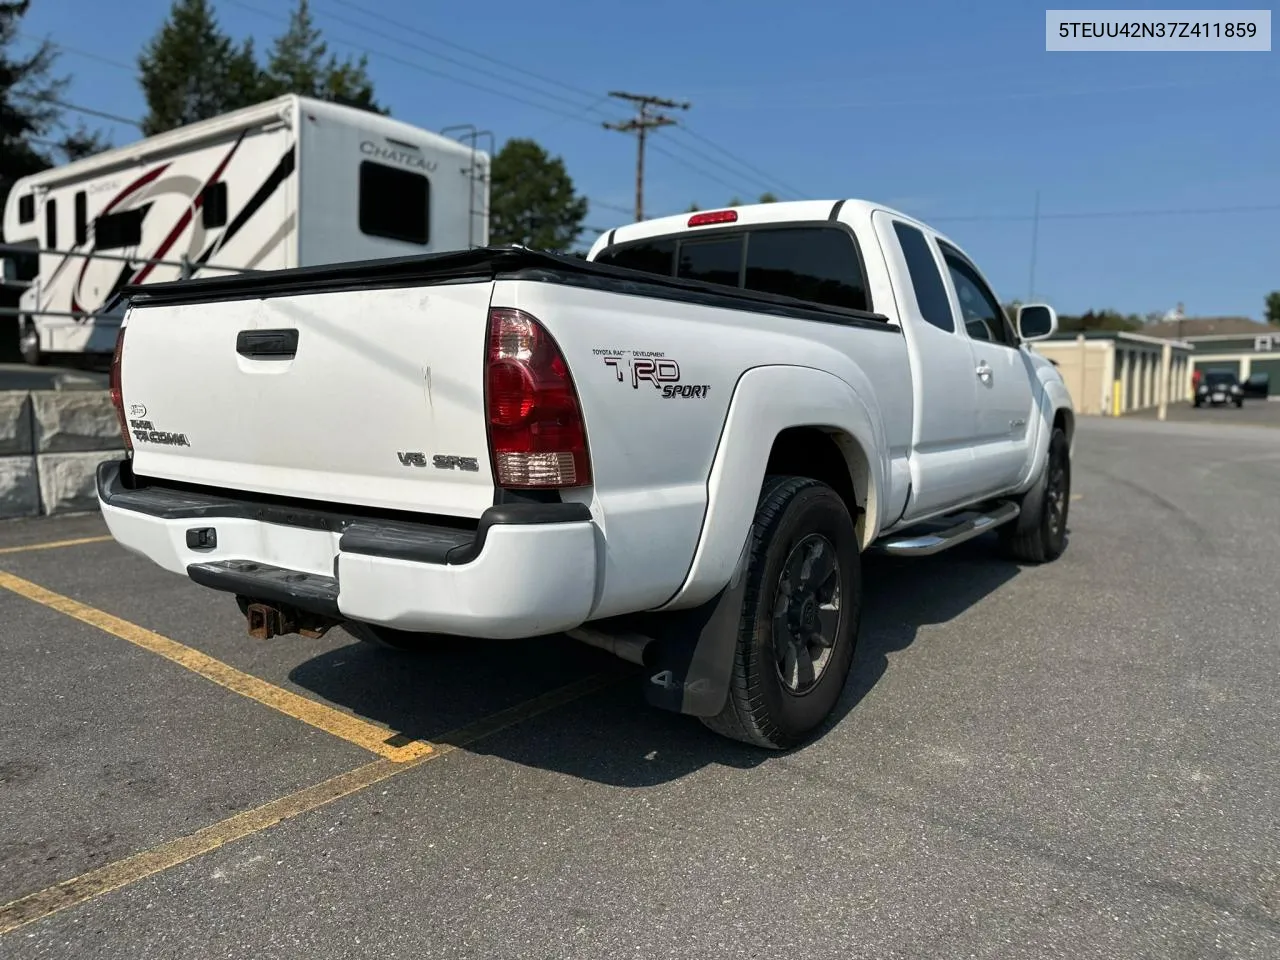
(374, 188)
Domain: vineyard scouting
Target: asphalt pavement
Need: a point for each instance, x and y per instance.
(1078, 760)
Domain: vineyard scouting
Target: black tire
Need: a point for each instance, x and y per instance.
(1239, 404)
(795, 517)
(1039, 535)
(402, 641)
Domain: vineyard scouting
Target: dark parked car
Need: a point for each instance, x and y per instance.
(1257, 386)
(1220, 386)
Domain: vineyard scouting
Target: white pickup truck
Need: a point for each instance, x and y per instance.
(677, 449)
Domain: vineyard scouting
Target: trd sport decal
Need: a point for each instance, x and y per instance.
(652, 367)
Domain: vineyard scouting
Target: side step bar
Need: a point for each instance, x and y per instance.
(935, 541)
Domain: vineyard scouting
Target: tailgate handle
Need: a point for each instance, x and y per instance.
(267, 344)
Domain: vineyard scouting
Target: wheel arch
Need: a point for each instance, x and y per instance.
(792, 420)
(833, 456)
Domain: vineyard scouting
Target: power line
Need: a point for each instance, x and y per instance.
(1107, 214)
(467, 50)
(427, 70)
(88, 111)
(65, 48)
(640, 125)
(593, 106)
(732, 188)
(770, 182)
(684, 128)
(580, 109)
(439, 56)
(758, 183)
(605, 205)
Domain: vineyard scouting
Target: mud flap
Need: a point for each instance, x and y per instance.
(689, 666)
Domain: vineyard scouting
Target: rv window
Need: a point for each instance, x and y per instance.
(82, 218)
(114, 230)
(395, 204)
(51, 224)
(27, 208)
(213, 205)
(26, 264)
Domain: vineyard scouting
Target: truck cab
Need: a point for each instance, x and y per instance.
(976, 382)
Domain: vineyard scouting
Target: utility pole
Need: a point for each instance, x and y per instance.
(640, 125)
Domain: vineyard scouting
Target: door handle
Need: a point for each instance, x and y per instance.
(267, 344)
(984, 372)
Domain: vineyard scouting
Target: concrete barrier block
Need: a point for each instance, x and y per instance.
(68, 481)
(19, 488)
(74, 420)
(15, 422)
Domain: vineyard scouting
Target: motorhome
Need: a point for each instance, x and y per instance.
(287, 183)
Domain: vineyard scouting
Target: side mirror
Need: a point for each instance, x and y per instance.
(1036, 321)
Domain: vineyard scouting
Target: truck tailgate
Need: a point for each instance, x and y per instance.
(353, 397)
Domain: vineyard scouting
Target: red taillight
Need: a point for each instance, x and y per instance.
(715, 216)
(536, 434)
(117, 394)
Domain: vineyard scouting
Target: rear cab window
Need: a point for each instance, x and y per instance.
(819, 264)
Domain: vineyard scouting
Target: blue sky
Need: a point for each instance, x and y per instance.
(951, 112)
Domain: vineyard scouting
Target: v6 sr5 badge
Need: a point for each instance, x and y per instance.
(661, 373)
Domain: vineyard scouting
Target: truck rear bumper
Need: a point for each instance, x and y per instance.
(522, 570)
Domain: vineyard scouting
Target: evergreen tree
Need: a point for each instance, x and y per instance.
(190, 70)
(300, 63)
(30, 119)
(532, 201)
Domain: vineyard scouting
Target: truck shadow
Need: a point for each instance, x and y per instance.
(611, 736)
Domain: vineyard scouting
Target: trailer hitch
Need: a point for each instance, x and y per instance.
(266, 621)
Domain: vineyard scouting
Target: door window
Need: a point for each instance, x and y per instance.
(926, 281)
(984, 318)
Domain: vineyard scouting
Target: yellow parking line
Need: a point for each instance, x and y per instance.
(112, 876)
(373, 737)
(55, 543)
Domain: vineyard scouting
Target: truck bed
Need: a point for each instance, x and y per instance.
(483, 263)
(367, 386)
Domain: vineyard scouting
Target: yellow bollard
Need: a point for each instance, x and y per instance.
(1115, 398)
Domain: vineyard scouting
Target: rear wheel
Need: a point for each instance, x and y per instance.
(800, 616)
(1040, 532)
(403, 641)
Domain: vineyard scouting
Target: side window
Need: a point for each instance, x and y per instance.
(931, 294)
(715, 260)
(213, 205)
(82, 218)
(651, 256)
(819, 265)
(115, 230)
(27, 208)
(51, 224)
(394, 203)
(984, 318)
